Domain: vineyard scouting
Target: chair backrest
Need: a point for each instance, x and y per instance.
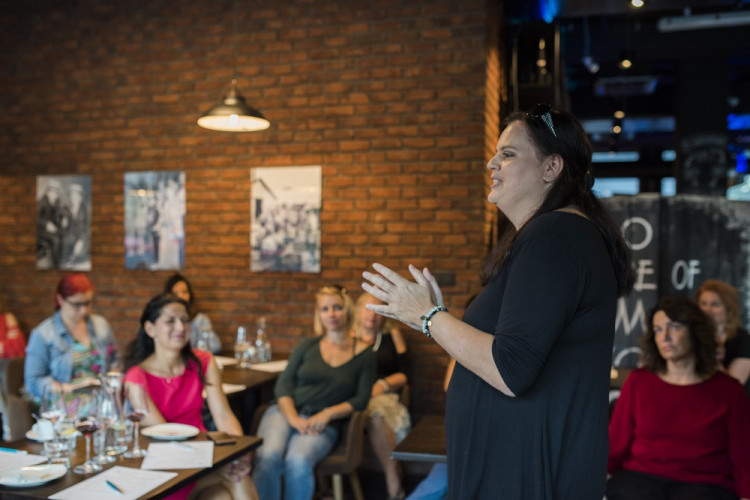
(405, 395)
(15, 409)
(257, 416)
(347, 456)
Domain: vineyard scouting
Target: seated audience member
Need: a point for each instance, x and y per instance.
(12, 341)
(173, 375)
(199, 322)
(71, 348)
(435, 485)
(328, 377)
(721, 302)
(680, 427)
(388, 420)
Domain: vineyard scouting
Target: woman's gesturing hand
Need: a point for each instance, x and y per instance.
(404, 300)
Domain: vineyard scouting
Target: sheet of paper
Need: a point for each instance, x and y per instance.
(132, 482)
(10, 460)
(223, 361)
(179, 455)
(271, 366)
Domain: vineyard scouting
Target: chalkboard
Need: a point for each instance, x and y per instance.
(678, 243)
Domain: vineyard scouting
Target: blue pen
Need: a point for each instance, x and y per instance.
(114, 487)
(13, 450)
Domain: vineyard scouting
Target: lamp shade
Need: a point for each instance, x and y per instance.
(233, 114)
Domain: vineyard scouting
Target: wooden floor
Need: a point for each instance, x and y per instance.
(373, 483)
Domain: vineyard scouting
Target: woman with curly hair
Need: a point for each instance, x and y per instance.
(721, 302)
(679, 428)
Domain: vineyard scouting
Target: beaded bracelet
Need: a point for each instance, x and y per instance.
(426, 319)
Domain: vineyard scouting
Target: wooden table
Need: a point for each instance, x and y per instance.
(258, 390)
(424, 443)
(222, 455)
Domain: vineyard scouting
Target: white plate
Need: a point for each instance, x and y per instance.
(170, 432)
(33, 475)
(30, 434)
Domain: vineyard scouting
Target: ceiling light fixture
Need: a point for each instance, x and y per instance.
(637, 3)
(626, 60)
(704, 21)
(233, 114)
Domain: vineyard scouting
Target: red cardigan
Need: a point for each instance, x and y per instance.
(696, 433)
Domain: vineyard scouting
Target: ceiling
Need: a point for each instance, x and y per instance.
(604, 29)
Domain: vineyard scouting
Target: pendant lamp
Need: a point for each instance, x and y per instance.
(233, 114)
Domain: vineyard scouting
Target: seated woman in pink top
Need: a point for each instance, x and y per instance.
(173, 375)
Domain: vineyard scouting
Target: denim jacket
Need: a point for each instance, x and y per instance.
(49, 353)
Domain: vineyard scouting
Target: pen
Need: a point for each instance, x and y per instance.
(114, 487)
(13, 450)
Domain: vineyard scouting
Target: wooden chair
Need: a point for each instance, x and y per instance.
(343, 459)
(16, 413)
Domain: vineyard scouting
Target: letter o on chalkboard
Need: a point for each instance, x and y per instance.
(648, 232)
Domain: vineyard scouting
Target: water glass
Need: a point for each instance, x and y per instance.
(122, 433)
(58, 451)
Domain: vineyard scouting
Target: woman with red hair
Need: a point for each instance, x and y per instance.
(73, 346)
(721, 301)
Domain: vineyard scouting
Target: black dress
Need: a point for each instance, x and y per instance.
(738, 347)
(552, 314)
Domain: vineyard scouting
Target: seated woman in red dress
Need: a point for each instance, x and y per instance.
(173, 375)
(680, 428)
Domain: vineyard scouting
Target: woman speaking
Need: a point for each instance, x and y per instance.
(526, 413)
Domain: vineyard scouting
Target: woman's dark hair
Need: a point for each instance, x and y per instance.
(143, 345)
(701, 330)
(572, 188)
(177, 278)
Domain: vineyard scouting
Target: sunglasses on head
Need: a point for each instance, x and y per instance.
(543, 112)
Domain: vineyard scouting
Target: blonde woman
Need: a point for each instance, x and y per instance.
(328, 377)
(388, 420)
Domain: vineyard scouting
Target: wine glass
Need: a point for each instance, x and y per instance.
(52, 406)
(136, 407)
(108, 415)
(87, 422)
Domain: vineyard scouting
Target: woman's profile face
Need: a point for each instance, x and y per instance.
(171, 330)
(181, 290)
(517, 173)
(712, 305)
(672, 338)
(369, 320)
(332, 313)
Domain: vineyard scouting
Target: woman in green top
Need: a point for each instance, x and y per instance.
(328, 377)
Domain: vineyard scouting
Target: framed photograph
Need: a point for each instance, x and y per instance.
(285, 219)
(155, 220)
(63, 223)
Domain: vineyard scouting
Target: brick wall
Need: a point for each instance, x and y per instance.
(397, 101)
